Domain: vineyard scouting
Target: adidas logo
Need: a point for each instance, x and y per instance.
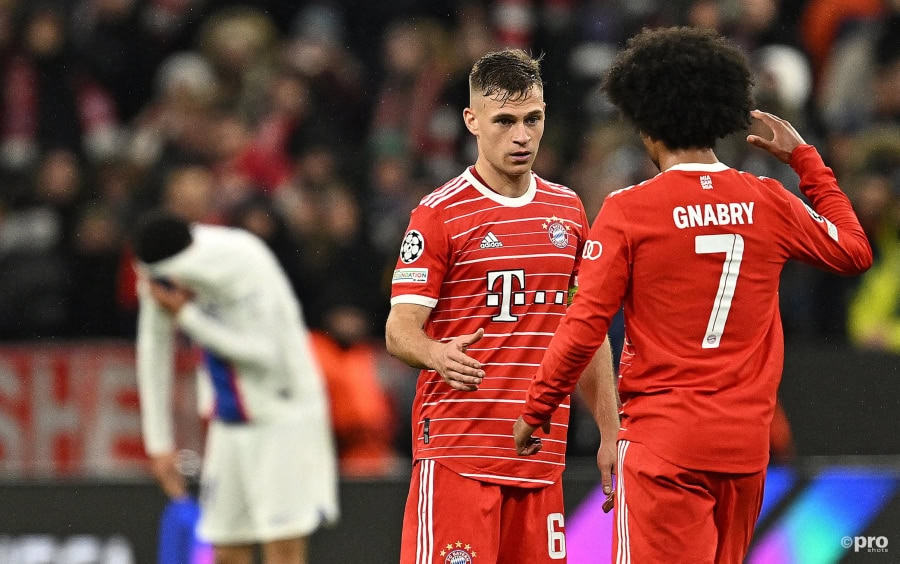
(490, 241)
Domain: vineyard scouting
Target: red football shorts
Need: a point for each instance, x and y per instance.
(450, 519)
(665, 513)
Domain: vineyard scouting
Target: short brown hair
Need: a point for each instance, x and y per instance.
(505, 75)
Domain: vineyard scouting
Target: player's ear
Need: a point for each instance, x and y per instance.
(471, 121)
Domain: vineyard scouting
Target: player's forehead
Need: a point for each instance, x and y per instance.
(502, 103)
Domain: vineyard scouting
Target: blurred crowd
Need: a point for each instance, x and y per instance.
(319, 125)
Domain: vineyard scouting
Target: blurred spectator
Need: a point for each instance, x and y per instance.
(241, 44)
(415, 73)
(50, 99)
(393, 194)
(823, 21)
(362, 414)
(108, 36)
(244, 163)
(93, 276)
(189, 192)
(874, 312)
(339, 263)
(337, 105)
(32, 286)
(258, 215)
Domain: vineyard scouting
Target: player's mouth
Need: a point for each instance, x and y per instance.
(520, 156)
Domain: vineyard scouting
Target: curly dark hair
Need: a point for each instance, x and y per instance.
(506, 75)
(686, 87)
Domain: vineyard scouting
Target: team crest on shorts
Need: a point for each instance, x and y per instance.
(458, 553)
(412, 247)
(558, 231)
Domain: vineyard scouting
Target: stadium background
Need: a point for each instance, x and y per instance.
(319, 125)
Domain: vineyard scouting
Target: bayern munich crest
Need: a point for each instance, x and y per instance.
(412, 247)
(558, 232)
(458, 553)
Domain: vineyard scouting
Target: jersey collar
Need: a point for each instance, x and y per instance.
(699, 167)
(522, 200)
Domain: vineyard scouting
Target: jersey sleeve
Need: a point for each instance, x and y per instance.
(605, 270)
(423, 260)
(827, 234)
(251, 345)
(583, 233)
(155, 373)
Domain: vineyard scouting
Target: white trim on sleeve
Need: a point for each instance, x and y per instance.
(414, 299)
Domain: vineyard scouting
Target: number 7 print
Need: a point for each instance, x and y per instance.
(732, 245)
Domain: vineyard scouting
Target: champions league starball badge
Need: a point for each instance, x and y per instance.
(558, 232)
(412, 247)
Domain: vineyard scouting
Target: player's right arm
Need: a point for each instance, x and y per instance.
(155, 372)
(406, 340)
(425, 256)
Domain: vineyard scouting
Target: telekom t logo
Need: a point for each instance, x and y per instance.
(506, 296)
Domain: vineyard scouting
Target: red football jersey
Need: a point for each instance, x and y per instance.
(696, 254)
(480, 259)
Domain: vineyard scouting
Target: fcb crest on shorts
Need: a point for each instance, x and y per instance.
(458, 553)
(558, 231)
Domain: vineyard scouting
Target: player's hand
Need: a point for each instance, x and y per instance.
(458, 369)
(170, 479)
(171, 296)
(607, 458)
(526, 444)
(784, 140)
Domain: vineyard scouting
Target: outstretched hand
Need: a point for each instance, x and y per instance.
(785, 138)
(459, 370)
(526, 444)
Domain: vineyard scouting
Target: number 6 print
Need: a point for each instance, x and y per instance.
(556, 539)
(732, 245)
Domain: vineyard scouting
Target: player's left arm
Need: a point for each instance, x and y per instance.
(828, 234)
(251, 345)
(598, 385)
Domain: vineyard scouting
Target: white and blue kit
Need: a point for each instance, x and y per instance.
(269, 467)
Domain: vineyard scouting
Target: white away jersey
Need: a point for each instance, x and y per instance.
(249, 325)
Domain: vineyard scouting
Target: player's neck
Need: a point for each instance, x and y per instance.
(665, 158)
(668, 158)
(503, 184)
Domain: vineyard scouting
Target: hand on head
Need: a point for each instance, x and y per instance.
(171, 296)
(784, 140)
